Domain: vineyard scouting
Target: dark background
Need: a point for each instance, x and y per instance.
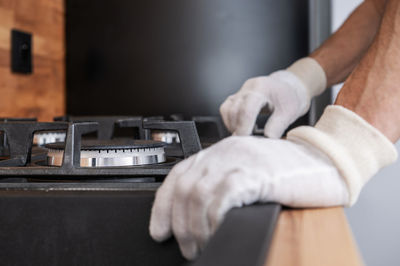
(157, 57)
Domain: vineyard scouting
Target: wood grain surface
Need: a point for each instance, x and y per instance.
(313, 237)
(41, 94)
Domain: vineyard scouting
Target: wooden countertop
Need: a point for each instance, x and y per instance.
(313, 237)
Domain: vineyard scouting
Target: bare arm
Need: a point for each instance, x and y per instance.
(373, 89)
(340, 54)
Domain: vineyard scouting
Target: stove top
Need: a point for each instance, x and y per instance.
(67, 151)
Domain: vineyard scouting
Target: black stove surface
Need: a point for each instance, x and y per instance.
(111, 228)
(80, 228)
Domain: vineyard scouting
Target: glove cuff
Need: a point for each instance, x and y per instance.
(356, 148)
(313, 76)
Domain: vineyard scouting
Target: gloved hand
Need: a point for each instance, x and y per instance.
(319, 166)
(240, 171)
(287, 93)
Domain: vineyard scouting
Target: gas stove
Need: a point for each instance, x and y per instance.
(79, 190)
(65, 150)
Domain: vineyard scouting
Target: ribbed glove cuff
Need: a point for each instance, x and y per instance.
(356, 148)
(313, 76)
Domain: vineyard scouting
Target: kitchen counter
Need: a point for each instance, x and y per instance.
(313, 237)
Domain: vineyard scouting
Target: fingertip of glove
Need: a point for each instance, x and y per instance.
(275, 127)
(159, 227)
(272, 134)
(224, 112)
(189, 250)
(158, 231)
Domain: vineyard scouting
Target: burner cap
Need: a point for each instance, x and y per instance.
(109, 153)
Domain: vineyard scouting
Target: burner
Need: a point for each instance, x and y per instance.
(78, 158)
(111, 153)
(41, 138)
(169, 137)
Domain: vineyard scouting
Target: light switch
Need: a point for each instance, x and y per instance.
(21, 52)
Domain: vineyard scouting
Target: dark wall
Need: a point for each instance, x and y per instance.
(155, 57)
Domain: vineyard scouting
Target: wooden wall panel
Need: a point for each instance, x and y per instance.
(42, 93)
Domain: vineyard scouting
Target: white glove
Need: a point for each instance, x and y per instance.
(287, 93)
(239, 171)
(319, 166)
(357, 149)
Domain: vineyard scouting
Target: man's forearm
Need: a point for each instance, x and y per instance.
(339, 55)
(373, 89)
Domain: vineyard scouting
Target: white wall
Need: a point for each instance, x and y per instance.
(375, 219)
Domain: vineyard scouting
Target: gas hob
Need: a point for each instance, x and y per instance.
(65, 150)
